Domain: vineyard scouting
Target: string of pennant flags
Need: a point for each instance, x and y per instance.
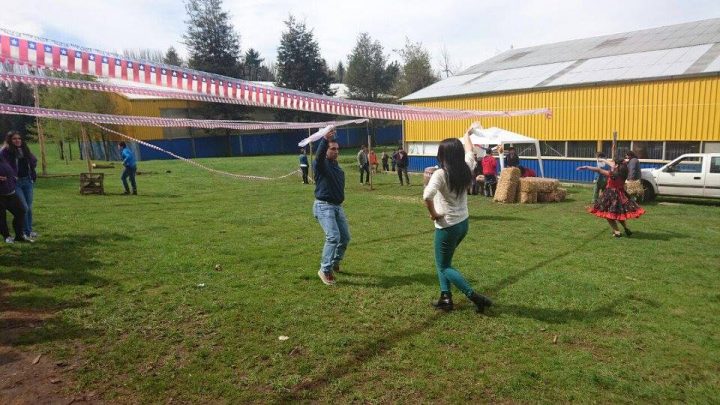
(128, 120)
(172, 81)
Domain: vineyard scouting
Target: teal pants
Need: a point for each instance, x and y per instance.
(446, 241)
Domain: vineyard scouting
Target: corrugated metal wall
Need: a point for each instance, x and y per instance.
(671, 110)
(554, 168)
(146, 108)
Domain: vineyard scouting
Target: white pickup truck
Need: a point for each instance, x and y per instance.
(690, 175)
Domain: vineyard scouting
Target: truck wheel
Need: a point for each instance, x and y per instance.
(648, 191)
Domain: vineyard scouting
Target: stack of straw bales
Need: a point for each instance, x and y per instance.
(536, 189)
(507, 187)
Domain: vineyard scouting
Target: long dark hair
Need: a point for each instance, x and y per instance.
(621, 170)
(451, 156)
(11, 147)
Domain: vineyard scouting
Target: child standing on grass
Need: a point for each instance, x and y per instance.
(446, 200)
(615, 205)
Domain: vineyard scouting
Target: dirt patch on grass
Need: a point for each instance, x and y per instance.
(27, 376)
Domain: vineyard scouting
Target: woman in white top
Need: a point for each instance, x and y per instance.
(446, 199)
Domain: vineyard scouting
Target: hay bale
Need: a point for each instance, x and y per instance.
(545, 185)
(545, 197)
(634, 188)
(528, 197)
(560, 194)
(528, 185)
(507, 187)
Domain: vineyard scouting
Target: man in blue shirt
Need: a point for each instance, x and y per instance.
(128, 161)
(329, 196)
(304, 165)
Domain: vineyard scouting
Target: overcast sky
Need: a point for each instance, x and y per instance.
(471, 30)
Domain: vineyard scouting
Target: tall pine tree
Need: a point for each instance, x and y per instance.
(172, 58)
(214, 47)
(368, 74)
(300, 67)
(299, 64)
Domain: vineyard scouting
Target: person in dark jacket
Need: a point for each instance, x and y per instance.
(329, 196)
(512, 159)
(9, 201)
(16, 153)
(402, 160)
(304, 167)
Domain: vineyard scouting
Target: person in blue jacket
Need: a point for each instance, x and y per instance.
(130, 168)
(329, 196)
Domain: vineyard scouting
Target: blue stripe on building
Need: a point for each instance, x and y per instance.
(565, 170)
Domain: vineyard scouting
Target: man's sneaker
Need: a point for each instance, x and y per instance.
(336, 268)
(9, 239)
(33, 235)
(24, 239)
(327, 278)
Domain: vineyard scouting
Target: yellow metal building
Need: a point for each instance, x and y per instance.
(658, 88)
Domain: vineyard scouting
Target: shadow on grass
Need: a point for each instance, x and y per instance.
(379, 346)
(493, 218)
(367, 352)
(27, 311)
(391, 238)
(514, 278)
(662, 236)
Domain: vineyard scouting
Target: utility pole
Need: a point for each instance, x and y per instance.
(41, 136)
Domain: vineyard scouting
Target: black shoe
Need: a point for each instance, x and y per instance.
(134, 192)
(444, 303)
(628, 232)
(126, 193)
(481, 302)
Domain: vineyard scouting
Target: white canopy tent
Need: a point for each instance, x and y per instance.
(498, 136)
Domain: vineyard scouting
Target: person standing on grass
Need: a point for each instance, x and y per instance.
(445, 197)
(402, 161)
(489, 171)
(10, 201)
(615, 205)
(304, 167)
(363, 164)
(327, 209)
(393, 159)
(16, 153)
(600, 180)
(384, 158)
(372, 158)
(130, 168)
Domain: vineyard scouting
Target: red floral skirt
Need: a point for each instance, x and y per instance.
(616, 205)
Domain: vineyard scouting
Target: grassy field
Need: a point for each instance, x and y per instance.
(138, 304)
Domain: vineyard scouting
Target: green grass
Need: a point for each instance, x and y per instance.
(636, 319)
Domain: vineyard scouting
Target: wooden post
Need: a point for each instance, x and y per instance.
(367, 128)
(41, 136)
(613, 150)
(86, 148)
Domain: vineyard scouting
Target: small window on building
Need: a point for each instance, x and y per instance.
(675, 149)
(711, 147)
(648, 150)
(581, 149)
(552, 148)
(622, 148)
(525, 149)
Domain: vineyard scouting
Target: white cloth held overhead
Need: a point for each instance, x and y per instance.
(317, 135)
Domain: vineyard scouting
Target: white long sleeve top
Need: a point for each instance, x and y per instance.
(451, 206)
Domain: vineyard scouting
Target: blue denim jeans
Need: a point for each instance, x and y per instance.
(24, 191)
(129, 172)
(337, 233)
